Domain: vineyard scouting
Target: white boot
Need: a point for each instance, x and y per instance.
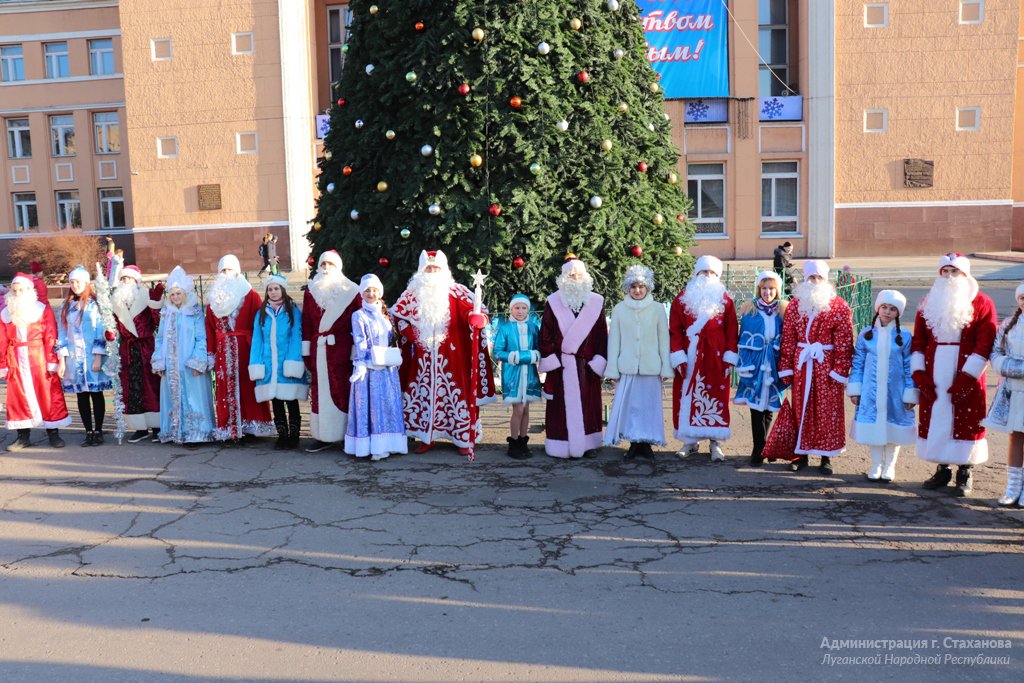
(1014, 480)
(716, 452)
(688, 449)
(875, 473)
(889, 463)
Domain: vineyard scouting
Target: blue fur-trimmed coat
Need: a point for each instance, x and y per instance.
(759, 347)
(520, 382)
(275, 358)
(881, 378)
(78, 342)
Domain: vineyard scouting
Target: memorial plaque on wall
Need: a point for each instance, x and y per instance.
(209, 197)
(918, 173)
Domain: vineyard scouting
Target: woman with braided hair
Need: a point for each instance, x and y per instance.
(881, 387)
(1007, 411)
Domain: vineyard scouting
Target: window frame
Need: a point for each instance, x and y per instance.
(884, 6)
(153, 42)
(57, 61)
(781, 69)
(774, 177)
(103, 128)
(23, 207)
(160, 154)
(696, 217)
(238, 142)
(10, 61)
(16, 141)
(981, 12)
(107, 209)
(64, 219)
(94, 51)
(885, 120)
(234, 43)
(977, 119)
(58, 141)
(344, 20)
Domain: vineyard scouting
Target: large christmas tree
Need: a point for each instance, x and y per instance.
(506, 133)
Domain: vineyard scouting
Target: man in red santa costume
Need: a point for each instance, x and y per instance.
(39, 282)
(703, 336)
(434, 321)
(28, 334)
(231, 307)
(327, 308)
(815, 360)
(137, 312)
(954, 331)
(573, 344)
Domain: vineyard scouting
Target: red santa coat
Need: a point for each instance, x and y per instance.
(136, 328)
(228, 341)
(817, 353)
(574, 354)
(35, 397)
(327, 348)
(949, 433)
(700, 389)
(438, 395)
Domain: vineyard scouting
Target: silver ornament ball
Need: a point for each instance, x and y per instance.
(596, 202)
(543, 48)
(562, 125)
(353, 214)
(426, 150)
(434, 210)
(369, 69)
(359, 124)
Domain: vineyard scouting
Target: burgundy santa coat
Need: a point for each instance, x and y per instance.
(228, 341)
(327, 348)
(438, 395)
(700, 389)
(817, 352)
(949, 433)
(35, 397)
(136, 329)
(573, 353)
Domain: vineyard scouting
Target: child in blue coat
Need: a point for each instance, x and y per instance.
(275, 360)
(881, 387)
(516, 347)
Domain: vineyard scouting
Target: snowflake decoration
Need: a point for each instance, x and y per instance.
(772, 108)
(696, 110)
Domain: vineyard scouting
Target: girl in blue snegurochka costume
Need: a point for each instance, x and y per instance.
(881, 387)
(759, 387)
(180, 360)
(1007, 411)
(275, 360)
(83, 346)
(376, 423)
(515, 345)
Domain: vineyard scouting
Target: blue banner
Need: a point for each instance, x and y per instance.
(688, 45)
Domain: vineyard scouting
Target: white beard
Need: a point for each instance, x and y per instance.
(704, 296)
(575, 292)
(124, 295)
(23, 308)
(226, 293)
(814, 297)
(433, 308)
(948, 307)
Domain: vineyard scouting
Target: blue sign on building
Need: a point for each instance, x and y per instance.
(688, 45)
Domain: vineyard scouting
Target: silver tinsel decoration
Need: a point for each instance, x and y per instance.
(112, 363)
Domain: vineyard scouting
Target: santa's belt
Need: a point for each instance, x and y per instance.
(947, 343)
(324, 339)
(814, 352)
(28, 343)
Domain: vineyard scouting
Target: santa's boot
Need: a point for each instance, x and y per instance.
(941, 477)
(964, 481)
(53, 436)
(523, 448)
(826, 466)
(21, 442)
(1014, 480)
(889, 463)
(875, 473)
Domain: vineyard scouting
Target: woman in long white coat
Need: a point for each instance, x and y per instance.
(1007, 411)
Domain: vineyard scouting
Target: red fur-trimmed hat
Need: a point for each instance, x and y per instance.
(957, 260)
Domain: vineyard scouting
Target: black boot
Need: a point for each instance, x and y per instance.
(964, 481)
(941, 477)
(293, 436)
(21, 442)
(798, 464)
(97, 437)
(523, 448)
(646, 451)
(826, 466)
(755, 459)
(513, 449)
(632, 452)
(155, 436)
(54, 437)
(282, 434)
(88, 440)
(138, 435)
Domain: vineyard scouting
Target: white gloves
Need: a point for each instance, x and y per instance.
(358, 374)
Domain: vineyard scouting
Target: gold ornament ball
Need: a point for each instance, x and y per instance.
(478, 34)
(655, 87)
(328, 154)
(623, 107)
(475, 160)
(317, 226)
(575, 24)
(606, 145)
(374, 9)
(389, 134)
(678, 251)
(382, 186)
(673, 179)
(658, 219)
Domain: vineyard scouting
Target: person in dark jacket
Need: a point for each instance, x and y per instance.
(783, 265)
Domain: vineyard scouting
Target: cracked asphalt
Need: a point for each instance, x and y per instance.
(151, 562)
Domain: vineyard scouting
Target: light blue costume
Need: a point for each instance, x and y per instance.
(881, 418)
(186, 400)
(758, 368)
(516, 346)
(78, 341)
(275, 358)
(376, 423)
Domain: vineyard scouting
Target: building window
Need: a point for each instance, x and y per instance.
(780, 197)
(876, 15)
(247, 143)
(108, 132)
(242, 44)
(773, 45)
(64, 173)
(101, 57)
(972, 11)
(12, 63)
(19, 140)
(706, 187)
(968, 118)
(62, 135)
(26, 215)
(111, 208)
(56, 55)
(876, 120)
(338, 19)
(161, 49)
(108, 169)
(69, 210)
(167, 148)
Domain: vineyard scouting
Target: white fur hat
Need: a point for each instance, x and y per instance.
(278, 280)
(229, 261)
(891, 297)
(179, 279)
(22, 279)
(79, 273)
(433, 258)
(707, 262)
(767, 275)
(1020, 290)
(371, 280)
(815, 267)
(638, 273)
(330, 256)
(573, 264)
(957, 260)
(133, 272)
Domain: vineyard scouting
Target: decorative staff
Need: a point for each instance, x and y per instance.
(112, 364)
(477, 321)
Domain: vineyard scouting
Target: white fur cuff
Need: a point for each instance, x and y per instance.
(3, 373)
(916, 361)
(730, 357)
(257, 372)
(785, 373)
(911, 395)
(997, 364)
(63, 352)
(598, 364)
(838, 378)
(534, 357)
(853, 389)
(513, 358)
(549, 363)
(51, 367)
(677, 358)
(305, 347)
(974, 365)
(294, 369)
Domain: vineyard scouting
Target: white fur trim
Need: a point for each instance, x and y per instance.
(974, 365)
(997, 365)
(958, 261)
(785, 373)
(708, 262)
(3, 373)
(282, 392)
(911, 395)
(730, 358)
(916, 361)
(891, 297)
(693, 434)
(557, 448)
(294, 369)
(305, 347)
(549, 363)
(57, 424)
(51, 367)
(598, 364)
(837, 377)
(534, 357)
(229, 261)
(513, 358)
(257, 372)
(677, 358)
(854, 389)
(815, 267)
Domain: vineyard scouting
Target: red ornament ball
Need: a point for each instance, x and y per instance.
(347, 170)
(495, 210)
(637, 250)
(109, 335)
(681, 217)
(518, 262)
(515, 102)
(342, 102)
(383, 261)
(419, 25)
(310, 260)
(583, 77)
(642, 167)
(464, 89)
